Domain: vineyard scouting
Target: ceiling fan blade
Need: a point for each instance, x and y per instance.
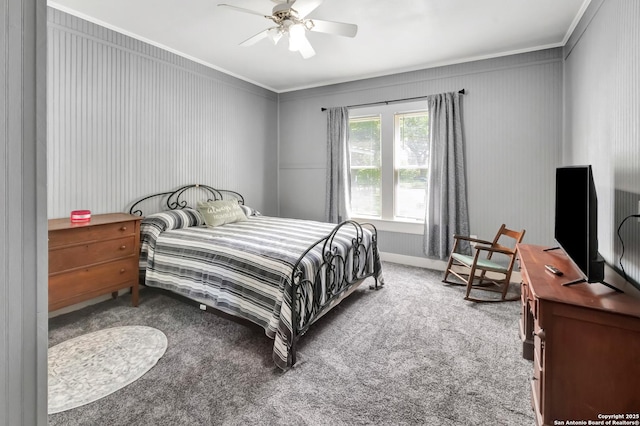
(337, 28)
(305, 48)
(305, 7)
(256, 38)
(242, 9)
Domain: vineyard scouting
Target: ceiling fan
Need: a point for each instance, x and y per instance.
(290, 17)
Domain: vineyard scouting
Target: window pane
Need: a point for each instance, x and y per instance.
(411, 159)
(366, 181)
(411, 193)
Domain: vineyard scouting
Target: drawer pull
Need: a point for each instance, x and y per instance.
(541, 334)
(124, 228)
(123, 247)
(122, 271)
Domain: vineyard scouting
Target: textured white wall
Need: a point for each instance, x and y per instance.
(127, 119)
(513, 132)
(602, 119)
(23, 220)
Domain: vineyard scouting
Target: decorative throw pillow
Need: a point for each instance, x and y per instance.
(174, 219)
(248, 211)
(219, 212)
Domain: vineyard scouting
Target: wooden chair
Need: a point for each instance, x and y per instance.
(480, 272)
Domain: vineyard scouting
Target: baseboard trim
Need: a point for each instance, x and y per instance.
(85, 303)
(423, 262)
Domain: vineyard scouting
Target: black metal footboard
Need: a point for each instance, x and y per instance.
(338, 273)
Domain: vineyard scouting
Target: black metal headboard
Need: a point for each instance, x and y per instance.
(175, 199)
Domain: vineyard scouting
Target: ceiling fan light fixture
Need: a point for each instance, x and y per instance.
(296, 34)
(295, 24)
(275, 34)
(308, 24)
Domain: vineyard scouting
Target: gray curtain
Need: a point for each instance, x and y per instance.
(446, 213)
(338, 201)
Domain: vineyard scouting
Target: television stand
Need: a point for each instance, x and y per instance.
(582, 280)
(583, 341)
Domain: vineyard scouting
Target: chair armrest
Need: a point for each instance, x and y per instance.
(475, 240)
(496, 250)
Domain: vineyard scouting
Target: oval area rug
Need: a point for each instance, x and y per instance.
(89, 367)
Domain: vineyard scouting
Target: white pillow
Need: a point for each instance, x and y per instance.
(219, 212)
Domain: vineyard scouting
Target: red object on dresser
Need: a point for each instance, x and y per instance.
(80, 216)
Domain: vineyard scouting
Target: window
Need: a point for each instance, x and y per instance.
(411, 158)
(366, 162)
(389, 148)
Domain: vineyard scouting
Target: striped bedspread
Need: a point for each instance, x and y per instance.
(242, 268)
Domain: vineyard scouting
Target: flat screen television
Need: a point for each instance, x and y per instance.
(576, 221)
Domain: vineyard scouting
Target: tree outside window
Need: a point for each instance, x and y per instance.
(411, 160)
(389, 157)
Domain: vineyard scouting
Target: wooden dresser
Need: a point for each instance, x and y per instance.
(583, 339)
(87, 260)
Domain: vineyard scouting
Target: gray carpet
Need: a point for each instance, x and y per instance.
(413, 353)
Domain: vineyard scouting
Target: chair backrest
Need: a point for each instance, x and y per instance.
(515, 236)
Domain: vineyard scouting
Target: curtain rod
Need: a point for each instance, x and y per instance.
(461, 91)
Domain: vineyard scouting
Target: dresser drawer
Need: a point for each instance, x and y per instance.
(533, 307)
(524, 311)
(537, 382)
(524, 291)
(535, 402)
(82, 284)
(84, 233)
(538, 345)
(71, 257)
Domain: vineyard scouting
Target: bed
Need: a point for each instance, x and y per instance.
(282, 274)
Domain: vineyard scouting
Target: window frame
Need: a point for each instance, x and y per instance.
(363, 118)
(389, 172)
